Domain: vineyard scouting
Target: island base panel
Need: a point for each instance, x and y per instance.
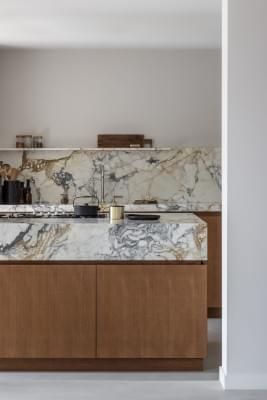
(151, 311)
(47, 311)
(74, 365)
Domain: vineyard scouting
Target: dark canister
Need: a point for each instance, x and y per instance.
(86, 209)
(11, 192)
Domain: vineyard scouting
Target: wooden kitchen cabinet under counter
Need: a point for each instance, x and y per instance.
(213, 219)
(47, 311)
(151, 311)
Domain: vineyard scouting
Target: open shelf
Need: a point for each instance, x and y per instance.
(86, 149)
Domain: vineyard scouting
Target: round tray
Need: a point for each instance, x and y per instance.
(143, 217)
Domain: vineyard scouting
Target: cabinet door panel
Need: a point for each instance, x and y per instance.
(151, 311)
(47, 311)
(214, 258)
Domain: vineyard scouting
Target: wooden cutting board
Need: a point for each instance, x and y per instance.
(120, 140)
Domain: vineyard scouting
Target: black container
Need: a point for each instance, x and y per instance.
(11, 192)
(85, 210)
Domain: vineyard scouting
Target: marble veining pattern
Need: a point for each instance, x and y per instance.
(188, 178)
(175, 237)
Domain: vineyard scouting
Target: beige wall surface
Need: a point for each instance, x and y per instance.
(69, 96)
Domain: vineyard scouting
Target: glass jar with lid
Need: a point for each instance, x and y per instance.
(37, 142)
(19, 141)
(27, 141)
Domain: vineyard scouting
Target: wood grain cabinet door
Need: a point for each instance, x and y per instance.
(214, 258)
(47, 311)
(151, 311)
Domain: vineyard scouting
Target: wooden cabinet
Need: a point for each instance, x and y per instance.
(104, 317)
(151, 311)
(47, 311)
(214, 261)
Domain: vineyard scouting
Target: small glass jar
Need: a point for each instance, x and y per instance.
(37, 142)
(27, 141)
(19, 141)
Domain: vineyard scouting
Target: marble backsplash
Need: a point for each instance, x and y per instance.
(182, 176)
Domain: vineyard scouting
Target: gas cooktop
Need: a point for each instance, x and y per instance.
(47, 215)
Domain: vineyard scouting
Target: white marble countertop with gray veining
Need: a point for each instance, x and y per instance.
(180, 236)
(130, 208)
(165, 218)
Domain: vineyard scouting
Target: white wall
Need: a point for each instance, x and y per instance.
(245, 142)
(110, 23)
(172, 96)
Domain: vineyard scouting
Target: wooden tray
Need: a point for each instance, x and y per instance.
(115, 140)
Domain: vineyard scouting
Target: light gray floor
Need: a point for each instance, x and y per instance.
(122, 390)
(213, 361)
(127, 386)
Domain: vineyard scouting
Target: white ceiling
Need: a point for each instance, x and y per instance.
(110, 23)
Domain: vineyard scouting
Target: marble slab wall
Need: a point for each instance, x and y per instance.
(177, 176)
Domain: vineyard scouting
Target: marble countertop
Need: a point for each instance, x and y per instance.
(180, 236)
(175, 207)
(152, 208)
(165, 218)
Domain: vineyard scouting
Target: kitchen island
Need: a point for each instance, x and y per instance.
(85, 294)
(174, 237)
